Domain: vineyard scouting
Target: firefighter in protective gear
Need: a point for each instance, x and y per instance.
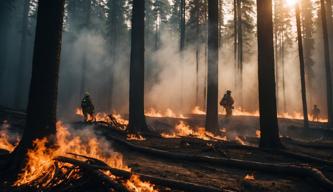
(228, 103)
(87, 108)
(315, 113)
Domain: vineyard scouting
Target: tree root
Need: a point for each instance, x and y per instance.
(283, 169)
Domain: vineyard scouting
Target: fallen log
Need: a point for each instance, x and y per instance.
(95, 172)
(283, 169)
(180, 185)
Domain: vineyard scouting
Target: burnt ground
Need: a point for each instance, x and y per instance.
(314, 142)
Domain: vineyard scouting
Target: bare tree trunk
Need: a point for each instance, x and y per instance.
(267, 95)
(22, 55)
(42, 104)
(181, 48)
(137, 120)
(212, 91)
(301, 61)
(240, 52)
(327, 65)
(283, 74)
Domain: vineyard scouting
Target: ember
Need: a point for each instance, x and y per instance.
(249, 177)
(135, 137)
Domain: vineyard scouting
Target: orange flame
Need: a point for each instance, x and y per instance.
(168, 113)
(5, 137)
(249, 177)
(184, 130)
(136, 185)
(104, 117)
(198, 111)
(40, 159)
(135, 137)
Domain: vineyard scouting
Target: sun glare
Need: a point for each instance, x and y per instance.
(291, 3)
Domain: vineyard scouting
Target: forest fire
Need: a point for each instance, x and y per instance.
(41, 163)
(184, 130)
(168, 113)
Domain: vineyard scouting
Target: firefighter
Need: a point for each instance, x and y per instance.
(228, 103)
(87, 108)
(315, 113)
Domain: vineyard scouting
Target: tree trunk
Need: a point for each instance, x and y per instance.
(137, 120)
(235, 43)
(267, 94)
(42, 104)
(240, 52)
(301, 61)
(327, 65)
(22, 60)
(182, 45)
(212, 91)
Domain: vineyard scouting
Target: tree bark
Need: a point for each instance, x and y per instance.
(137, 120)
(42, 104)
(327, 65)
(213, 58)
(302, 66)
(267, 93)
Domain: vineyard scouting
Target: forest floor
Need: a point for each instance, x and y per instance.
(316, 142)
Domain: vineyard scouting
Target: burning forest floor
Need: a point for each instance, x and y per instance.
(181, 156)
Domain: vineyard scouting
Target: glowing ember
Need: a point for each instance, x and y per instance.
(249, 177)
(135, 137)
(136, 185)
(258, 133)
(168, 113)
(40, 159)
(184, 130)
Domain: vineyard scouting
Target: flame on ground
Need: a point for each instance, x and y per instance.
(249, 177)
(198, 111)
(136, 185)
(40, 159)
(136, 137)
(183, 130)
(238, 111)
(41, 164)
(5, 137)
(104, 117)
(168, 113)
